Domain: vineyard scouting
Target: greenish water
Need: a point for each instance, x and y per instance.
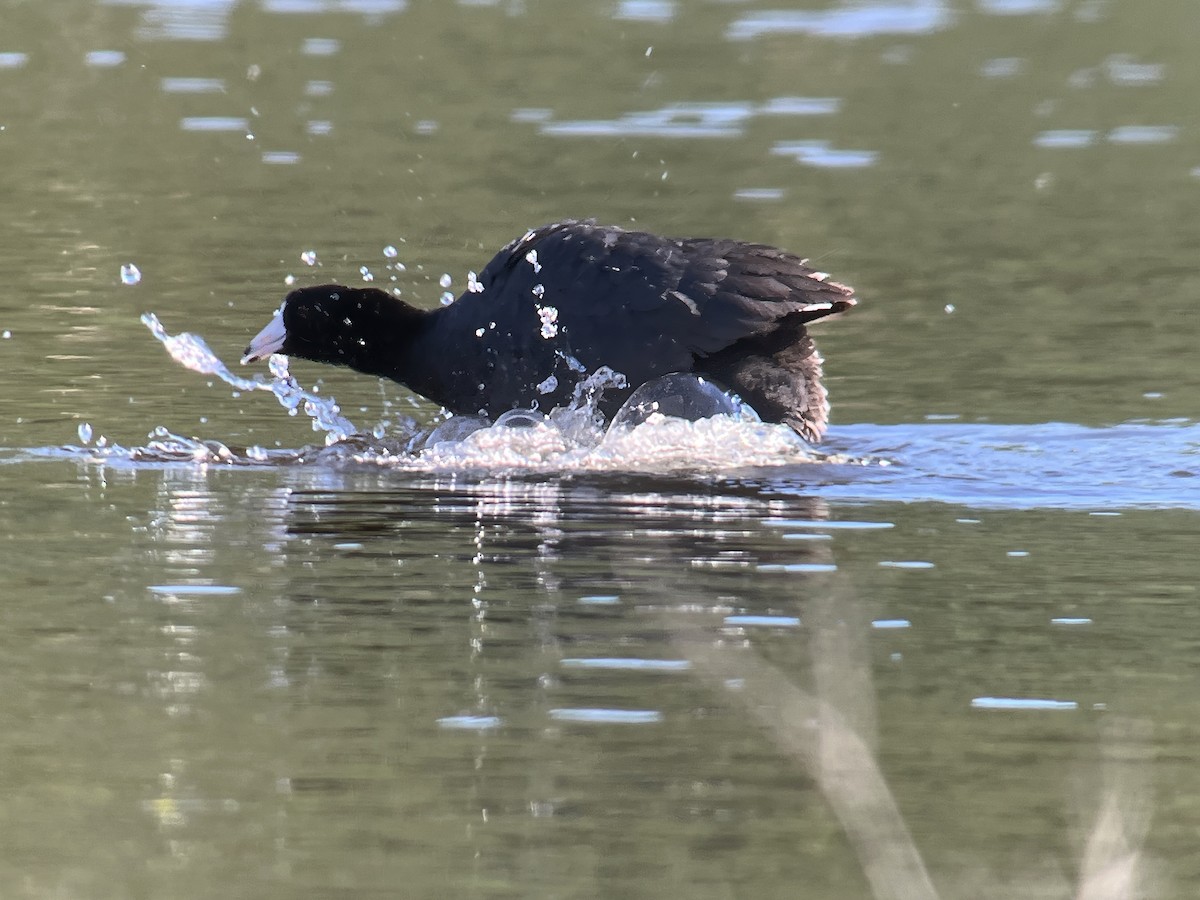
(323, 678)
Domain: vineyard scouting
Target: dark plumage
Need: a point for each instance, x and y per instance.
(570, 297)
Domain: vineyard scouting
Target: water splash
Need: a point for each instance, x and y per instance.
(680, 423)
(191, 352)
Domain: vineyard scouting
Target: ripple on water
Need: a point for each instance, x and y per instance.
(214, 123)
(629, 664)
(822, 155)
(1019, 7)
(751, 621)
(194, 590)
(797, 568)
(104, 59)
(850, 21)
(660, 11)
(177, 85)
(1060, 138)
(469, 723)
(607, 716)
(844, 525)
(1022, 703)
(1143, 134)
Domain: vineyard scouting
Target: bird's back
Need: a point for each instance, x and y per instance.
(573, 296)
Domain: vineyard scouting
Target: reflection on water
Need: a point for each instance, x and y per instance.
(857, 20)
(682, 120)
(354, 679)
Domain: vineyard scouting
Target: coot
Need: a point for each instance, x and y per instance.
(565, 299)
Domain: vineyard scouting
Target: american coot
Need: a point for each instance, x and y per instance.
(568, 298)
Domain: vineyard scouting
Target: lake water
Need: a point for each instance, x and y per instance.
(954, 653)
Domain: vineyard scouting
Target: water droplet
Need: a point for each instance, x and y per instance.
(531, 258)
(130, 274)
(6, 334)
(949, 308)
(539, 291)
(289, 280)
(447, 298)
(309, 257)
(549, 318)
(445, 281)
(85, 432)
(479, 332)
(365, 273)
(390, 252)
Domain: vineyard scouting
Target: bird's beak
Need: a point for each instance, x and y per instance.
(269, 340)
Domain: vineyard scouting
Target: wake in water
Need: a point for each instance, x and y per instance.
(682, 425)
(676, 423)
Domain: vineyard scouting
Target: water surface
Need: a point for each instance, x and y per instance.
(240, 664)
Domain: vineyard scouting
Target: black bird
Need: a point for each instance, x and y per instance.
(568, 298)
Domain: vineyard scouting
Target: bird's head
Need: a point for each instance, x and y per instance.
(328, 323)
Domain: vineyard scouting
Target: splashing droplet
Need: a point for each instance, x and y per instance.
(309, 257)
(390, 252)
(130, 274)
(85, 433)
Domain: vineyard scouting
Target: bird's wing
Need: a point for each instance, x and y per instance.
(669, 298)
(742, 290)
